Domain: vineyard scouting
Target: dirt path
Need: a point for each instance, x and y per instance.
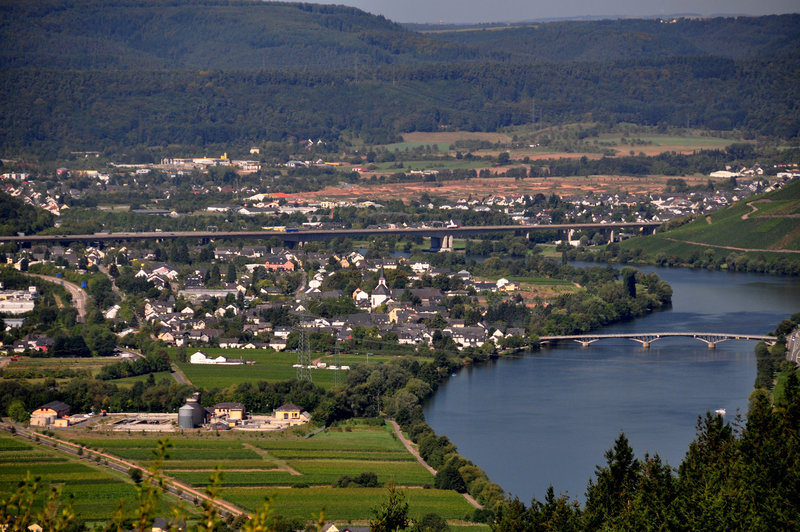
(732, 247)
(282, 466)
(753, 208)
(410, 448)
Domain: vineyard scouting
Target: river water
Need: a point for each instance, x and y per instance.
(547, 418)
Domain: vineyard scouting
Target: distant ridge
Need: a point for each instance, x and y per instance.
(247, 35)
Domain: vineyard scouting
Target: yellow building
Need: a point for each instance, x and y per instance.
(229, 410)
(47, 415)
(292, 414)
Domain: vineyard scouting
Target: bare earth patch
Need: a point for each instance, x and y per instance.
(480, 187)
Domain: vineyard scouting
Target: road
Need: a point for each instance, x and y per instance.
(411, 449)
(78, 294)
(306, 235)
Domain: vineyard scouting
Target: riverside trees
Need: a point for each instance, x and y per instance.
(734, 476)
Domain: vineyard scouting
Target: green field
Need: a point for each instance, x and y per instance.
(257, 464)
(774, 225)
(342, 504)
(433, 164)
(671, 142)
(130, 381)
(97, 491)
(270, 366)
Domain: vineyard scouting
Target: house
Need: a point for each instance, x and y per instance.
(47, 414)
(278, 263)
(292, 414)
(229, 410)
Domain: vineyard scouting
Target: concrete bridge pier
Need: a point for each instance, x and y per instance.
(711, 341)
(612, 236)
(645, 340)
(586, 342)
(447, 243)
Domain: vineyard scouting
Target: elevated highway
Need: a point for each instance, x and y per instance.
(709, 338)
(441, 237)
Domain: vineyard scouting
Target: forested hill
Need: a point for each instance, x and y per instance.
(112, 75)
(208, 34)
(606, 40)
(248, 34)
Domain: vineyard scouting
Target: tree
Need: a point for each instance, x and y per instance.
(18, 412)
(392, 514)
(610, 496)
(629, 281)
(448, 477)
(431, 523)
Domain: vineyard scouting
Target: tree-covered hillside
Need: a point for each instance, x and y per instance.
(44, 111)
(17, 217)
(208, 34)
(247, 34)
(604, 40)
(108, 75)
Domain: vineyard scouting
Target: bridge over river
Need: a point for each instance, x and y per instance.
(709, 338)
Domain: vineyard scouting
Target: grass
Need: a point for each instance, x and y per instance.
(433, 164)
(97, 492)
(52, 366)
(342, 504)
(130, 381)
(259, 465)
(270, 366)
(726, 227)
(362, 440)
(315, 473)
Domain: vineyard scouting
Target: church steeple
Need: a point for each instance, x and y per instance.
(381, 292)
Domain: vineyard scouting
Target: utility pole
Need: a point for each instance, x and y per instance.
(303, 360)
(337, 374)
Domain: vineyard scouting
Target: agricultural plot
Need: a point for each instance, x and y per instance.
(270, 366)
(341, 504)
(97, 492)
(255, 464)
(35, 369)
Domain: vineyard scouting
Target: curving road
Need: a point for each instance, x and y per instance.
(79, 296)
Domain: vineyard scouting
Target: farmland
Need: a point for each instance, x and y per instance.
(297, 472)
(97, 492)
(765, 227)
(270, 366)
(457, 189)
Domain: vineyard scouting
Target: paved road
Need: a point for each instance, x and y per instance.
(78, 294)
(305, 235)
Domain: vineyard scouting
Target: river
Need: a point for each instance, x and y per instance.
(548, 417)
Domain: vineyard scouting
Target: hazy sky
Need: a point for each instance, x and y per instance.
(459, 11)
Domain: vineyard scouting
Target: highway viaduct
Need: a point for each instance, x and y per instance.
(441, 237)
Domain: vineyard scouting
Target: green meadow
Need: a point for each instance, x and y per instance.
(296, 471)
(96, 491)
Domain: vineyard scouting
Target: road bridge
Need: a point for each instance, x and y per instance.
(709, 338)
(441, 237)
